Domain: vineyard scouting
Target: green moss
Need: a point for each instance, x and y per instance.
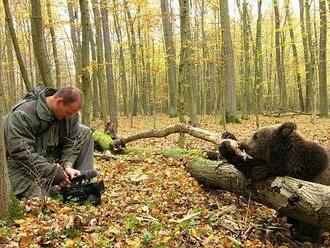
(174, 152)
(204, 161)
(177, 152)
(138, 150)
(103, 139)
(16, 209)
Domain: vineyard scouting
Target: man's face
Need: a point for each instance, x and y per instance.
(64, 110)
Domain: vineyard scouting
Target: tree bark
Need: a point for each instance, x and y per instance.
(39, 44)
(122, 69)
(279, 68)
(311, 50)
(54, 45)
(86, 85)
(133, 55)
(295, 56)
(19, 57)
(306, 201)
(112, 98)
(308, 69)
(229, 59)
(4, 104)
(247, 59)
(184, 64)
(323, 59)
(96, 95)
(170, 56)
(76, 46)
(258, 64)
(188, 83)
(100, 60)
(5, 196)
(10, 69)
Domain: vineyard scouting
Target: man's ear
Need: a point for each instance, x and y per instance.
(286, 129)
(59, 101)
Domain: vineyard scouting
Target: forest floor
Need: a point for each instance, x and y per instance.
(151, 201)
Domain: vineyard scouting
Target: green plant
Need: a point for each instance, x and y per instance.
(16, 209)
(131, 222)
(156, 226)
(185, 225)
(148, 236)
(4, 229)
(71, 232)
(51, 234)
(103, 241)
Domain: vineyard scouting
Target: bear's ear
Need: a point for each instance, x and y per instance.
(286, 129)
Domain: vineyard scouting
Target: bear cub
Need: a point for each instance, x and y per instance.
(280, 151)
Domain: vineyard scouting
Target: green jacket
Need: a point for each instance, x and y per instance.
(37, 142)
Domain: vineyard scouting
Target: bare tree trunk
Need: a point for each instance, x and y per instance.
(308, 69)
(280, 78)
(86, 85)
(10, 68)
(76, 46)
(54, 46)
(100, 60)
(143, 73)
(96, 95)
(247, 59)
(229, 59)
(311, 50)
(5, 103)
(170, 56)
(295, 57)
(186, 68)
(30, 66)
(258, 64)
(39, 44)
(133, 54)
(184, 62)
(112, 98)
(67, 62)
(323, 59)
(5, 196)
(9, 21)
(205, 101)
(122, 70)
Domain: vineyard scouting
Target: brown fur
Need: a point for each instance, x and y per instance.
(280, 151)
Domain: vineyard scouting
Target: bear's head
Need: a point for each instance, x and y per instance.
(265, 141)
(286, 153)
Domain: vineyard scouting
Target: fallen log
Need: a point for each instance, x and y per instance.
(305, 201)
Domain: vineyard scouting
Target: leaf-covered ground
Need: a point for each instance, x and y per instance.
(151, 201)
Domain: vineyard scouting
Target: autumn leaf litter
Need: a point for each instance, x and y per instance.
(152, 201)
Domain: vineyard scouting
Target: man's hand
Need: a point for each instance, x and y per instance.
(71, 173)
(65, 182)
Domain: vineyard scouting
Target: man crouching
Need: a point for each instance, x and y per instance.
(45, 144)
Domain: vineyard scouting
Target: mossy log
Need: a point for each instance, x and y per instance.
(103, 141)
(306, 201)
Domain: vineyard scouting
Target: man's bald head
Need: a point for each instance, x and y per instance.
(70, 94)
(66, 101)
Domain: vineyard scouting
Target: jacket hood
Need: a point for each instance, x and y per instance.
(40, 93)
